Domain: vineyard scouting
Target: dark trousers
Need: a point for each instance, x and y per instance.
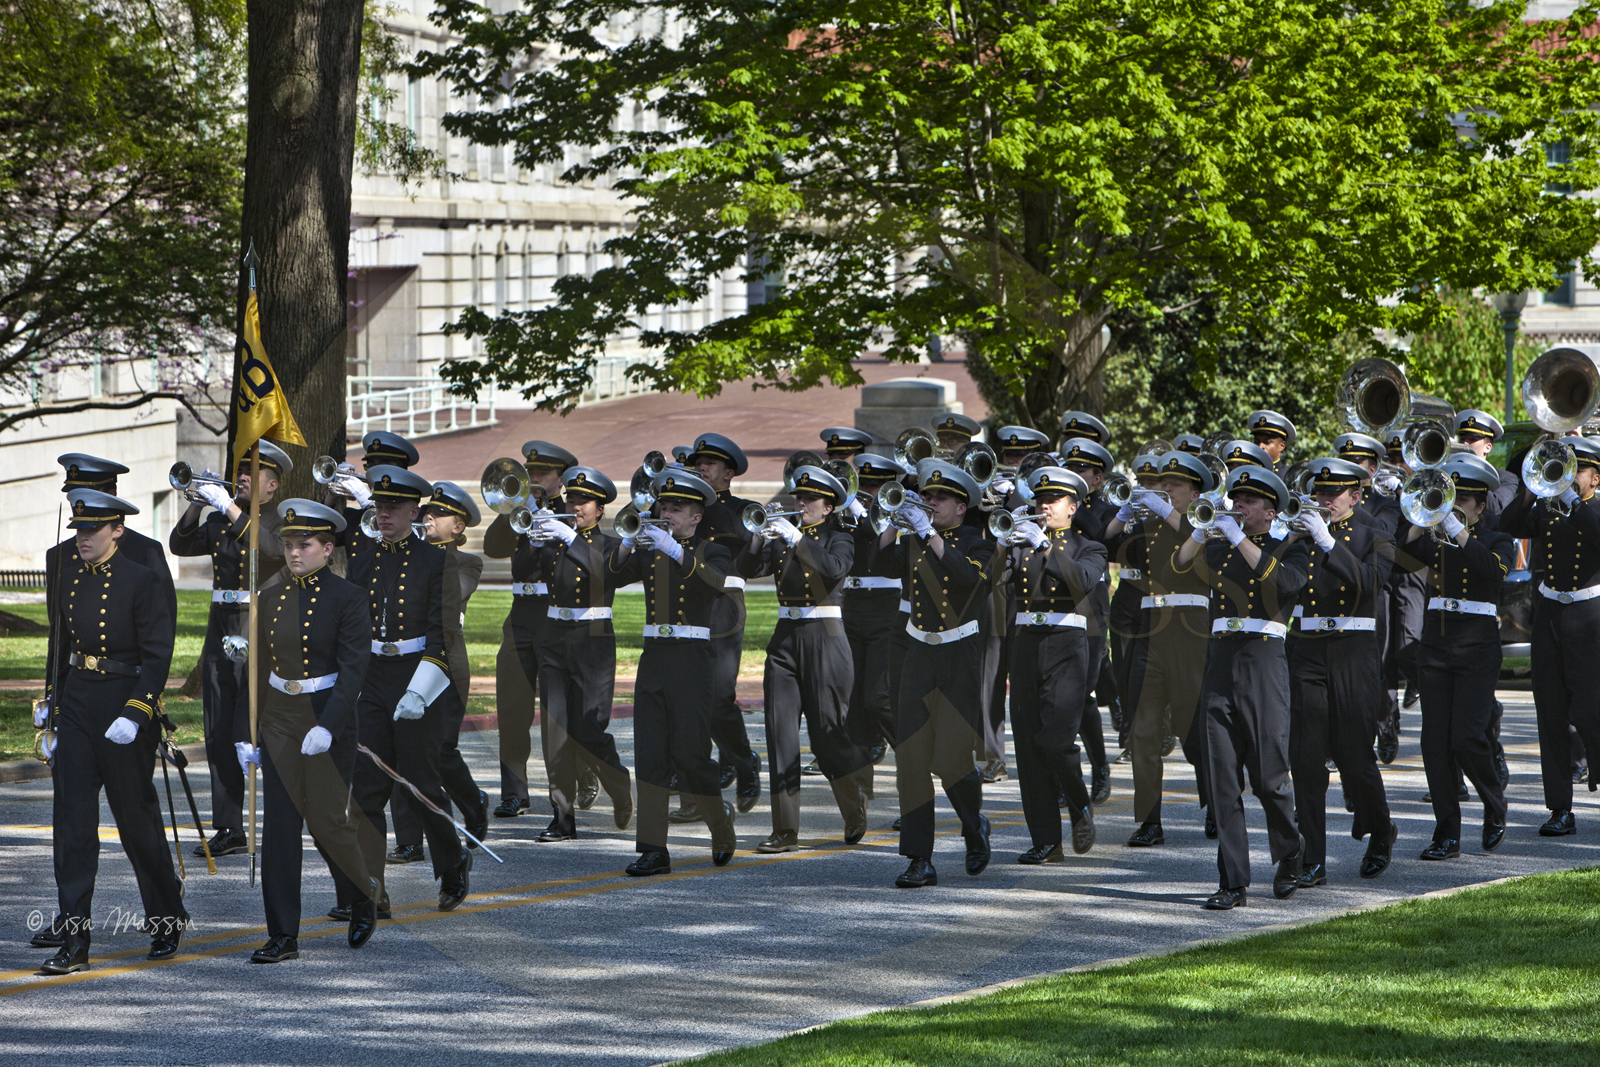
(809, 673)
(1174, 668)
(412, 748)
(311, 792)
(1408, 599)
(1459, 672)
(85, 761)
(577, 678)
(225, 695)
(1336, 695)
(1246, 702)
(1050, 669)
(672, 733)
(1090, 727)
(941, 716)
(516, 673)
(727, 719)
(870, 620)
(1126, 645)
(1566, 640)
(990, 742)
(899, 643)
(454, 774)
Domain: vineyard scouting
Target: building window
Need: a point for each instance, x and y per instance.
(414, 107)
(1556, 157)
(589, 259)
(561, 260)
(1565, 292)
(502, 287)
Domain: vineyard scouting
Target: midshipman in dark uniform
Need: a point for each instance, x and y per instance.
(379, 448)
(871, 614)
(1274, 434)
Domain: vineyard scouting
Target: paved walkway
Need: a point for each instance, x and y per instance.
(559, 959)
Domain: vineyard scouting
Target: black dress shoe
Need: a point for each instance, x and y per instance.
(588, 788)
(49, 937)
(622, 809)
(225, 843)
(919, 874)
(1042, 854)
(1168, 743)
(727, 776)
(454, 887)
(1388, 741)
(1083, 831)
(650, 863)
(1211, 824)
(1580, 774)
(164, 945)
(1494, 832)
(343, 912)
(895, 826)
(556, 832)
(877, 752)
(1314, 875)
(749, 792)
(721, 859)
(1502, 771)
(340, 912)
(510, 807)
(978, 850)
(1380, 850)
(69, 958)
(1287, 878)
(1411, 697)
(1147, 835)
(1449, 848)
(1100, 783)
(363, 921)
(1561, 824)
(276, 950)
(1225, 900)
(994, 771)
(1125, 756)
(406, 854)
(812, 768)
(781, 841)
(478, 821)
(686, 812)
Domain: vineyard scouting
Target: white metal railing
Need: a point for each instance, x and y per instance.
(611, 381)
(409, 406)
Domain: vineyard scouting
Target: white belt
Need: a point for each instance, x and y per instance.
(943, 637)
(1176, 600)
(697, 633)
(578, 614)
(1132, 574)
(732, 581)
(826, 611)
(905, 607)
(1338, 623)
(1051, 618)
(1464, 607)
(399, 648)
(529, 589)
(1249, 626)
(874, 583)
(230, 596)
(1587, 593)
(296, 686)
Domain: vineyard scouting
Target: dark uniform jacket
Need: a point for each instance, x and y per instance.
(1091, 520)
(1238, 590)
(135, 546)
(1060, 576)
(1473, 571)
(868, 562)
(1383, 511)
(582, 575)
(946, 592)
(1166, 579)
(404, 583)
(1345, 581)
(678, 594)
(1570, 546)
(228, 545)
(316, 626)
(462, 570)
(809, 573)
(113, 611)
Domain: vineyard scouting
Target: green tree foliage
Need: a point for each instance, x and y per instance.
(1023, 172)
(121, 144)
(1462, 358)
(384, 146)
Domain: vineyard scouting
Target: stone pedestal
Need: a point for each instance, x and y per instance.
(891, 406)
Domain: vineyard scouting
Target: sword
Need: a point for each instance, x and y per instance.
(174, 755)
(392, 773)
(183, 875)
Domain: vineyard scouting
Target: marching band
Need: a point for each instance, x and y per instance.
(1269, 616)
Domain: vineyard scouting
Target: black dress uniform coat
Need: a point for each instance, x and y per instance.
(1245, 697)
(940, 700)
(113, 632)
(1460, 662)
(674, 692)
(721, 524)
(1051, 669)
(1566, 635)
(1126, 630)
(809, 671)
(871, 620)
(1336, 681)
(312, 627)
(1091, 520)
(224, 685)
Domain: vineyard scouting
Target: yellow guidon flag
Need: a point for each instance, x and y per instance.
(263, 410)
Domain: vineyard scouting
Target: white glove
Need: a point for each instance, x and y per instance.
(1453, 526)
(1569, 498)
(318, 741)
(1199, 536)
(1386, 484)
(562, 531)
(1125, 514)
(1317, 527)
(921, 525)
(660, 538)
(1147, 499)
(359, 491)
(411, 706)
(47, 744)
(122, 731)
(41, 713)
(786, 530)
(247, 754)
(913, 496)
(855, 509)
(1230, 530)
(1029, 531)
(214, 494)
(1003, 487)
(236, 649)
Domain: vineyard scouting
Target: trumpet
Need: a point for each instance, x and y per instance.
(1549, 470)
(505, 485)
(891, 499)
(523, 521)
(183, 478)
(1301, 506)
(1204, 515)
(1427, 497)
(325, 472)
(880, 518)
(1003, 525)
(1120, 490)
(1561, 388)
(757, 517)
(629, 522)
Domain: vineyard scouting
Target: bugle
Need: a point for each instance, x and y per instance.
(629, 522)
(1204, 515)
(1003, 524)
(1549, 470)
(757, 517)
(525, 521)
(183, 478)
(915, 445)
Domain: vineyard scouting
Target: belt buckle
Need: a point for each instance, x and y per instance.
(1236, 624)
(933, 639)
(1161, 601)
(664, 631)
(91, 662)
(390, 649)
(1040, 618)
(1327, 623)
(292, 688)
(1564, 598)
(230, 596)
(853, 583)
(566, 614)
(1451, 604)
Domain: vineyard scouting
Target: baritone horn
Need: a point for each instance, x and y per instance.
(915, 445)
(1427, 498)
(1548, 471)
(1561, 388)
(1375, 398)
(505, 486)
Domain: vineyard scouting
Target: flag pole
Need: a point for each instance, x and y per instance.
(255, 545)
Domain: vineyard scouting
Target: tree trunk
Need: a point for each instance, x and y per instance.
(304, 62)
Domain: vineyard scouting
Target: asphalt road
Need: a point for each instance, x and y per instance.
(558, 958)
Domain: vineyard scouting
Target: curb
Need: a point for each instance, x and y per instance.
(31, 770)
(491, 721)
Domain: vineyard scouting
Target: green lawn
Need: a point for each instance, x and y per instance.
(1500, 975)
(24, 657)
